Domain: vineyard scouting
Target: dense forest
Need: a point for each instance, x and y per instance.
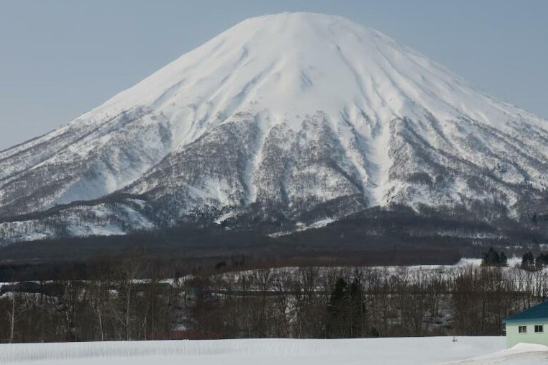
(134, 299)
(397, 235)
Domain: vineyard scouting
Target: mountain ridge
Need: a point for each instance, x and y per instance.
(277, 117)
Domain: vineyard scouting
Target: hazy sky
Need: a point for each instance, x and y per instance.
(60, 58)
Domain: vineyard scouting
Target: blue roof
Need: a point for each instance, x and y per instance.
(539, 311)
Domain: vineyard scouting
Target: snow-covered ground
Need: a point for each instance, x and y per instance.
(386, 351)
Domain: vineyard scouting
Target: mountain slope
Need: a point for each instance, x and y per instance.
(278, 117)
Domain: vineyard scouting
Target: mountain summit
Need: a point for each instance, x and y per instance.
(283, 118)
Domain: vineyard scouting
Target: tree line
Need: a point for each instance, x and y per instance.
(528, 260)
(134, 300)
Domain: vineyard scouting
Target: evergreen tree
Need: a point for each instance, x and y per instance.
(503, 259)
(528, 261)
(337, 296)
(347, 310)
(358, 309)
(542, 261)
(336, 309)
(493, 258)
(490, 258)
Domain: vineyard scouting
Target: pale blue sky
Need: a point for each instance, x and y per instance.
(60, 58)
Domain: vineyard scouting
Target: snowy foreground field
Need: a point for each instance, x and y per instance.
(386, 351)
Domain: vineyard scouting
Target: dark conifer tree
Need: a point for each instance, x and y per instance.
(336, 309)
(528, 261)
(542, 261)
(358, 309)
(503, 259)
(490, 258)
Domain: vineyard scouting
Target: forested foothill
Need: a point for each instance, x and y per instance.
(377, 236)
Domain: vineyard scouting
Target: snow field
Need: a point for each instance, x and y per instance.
(386, 351)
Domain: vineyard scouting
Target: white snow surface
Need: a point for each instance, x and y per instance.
(286, 63)
(284, 67)
(387, 351)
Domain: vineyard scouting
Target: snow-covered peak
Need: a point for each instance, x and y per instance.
(286, 63)
(289, 114)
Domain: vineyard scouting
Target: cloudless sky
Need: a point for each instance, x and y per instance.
(61, 58)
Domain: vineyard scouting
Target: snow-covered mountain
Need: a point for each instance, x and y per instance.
(282, 117)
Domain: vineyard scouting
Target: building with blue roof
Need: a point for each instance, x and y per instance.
(529, 326)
